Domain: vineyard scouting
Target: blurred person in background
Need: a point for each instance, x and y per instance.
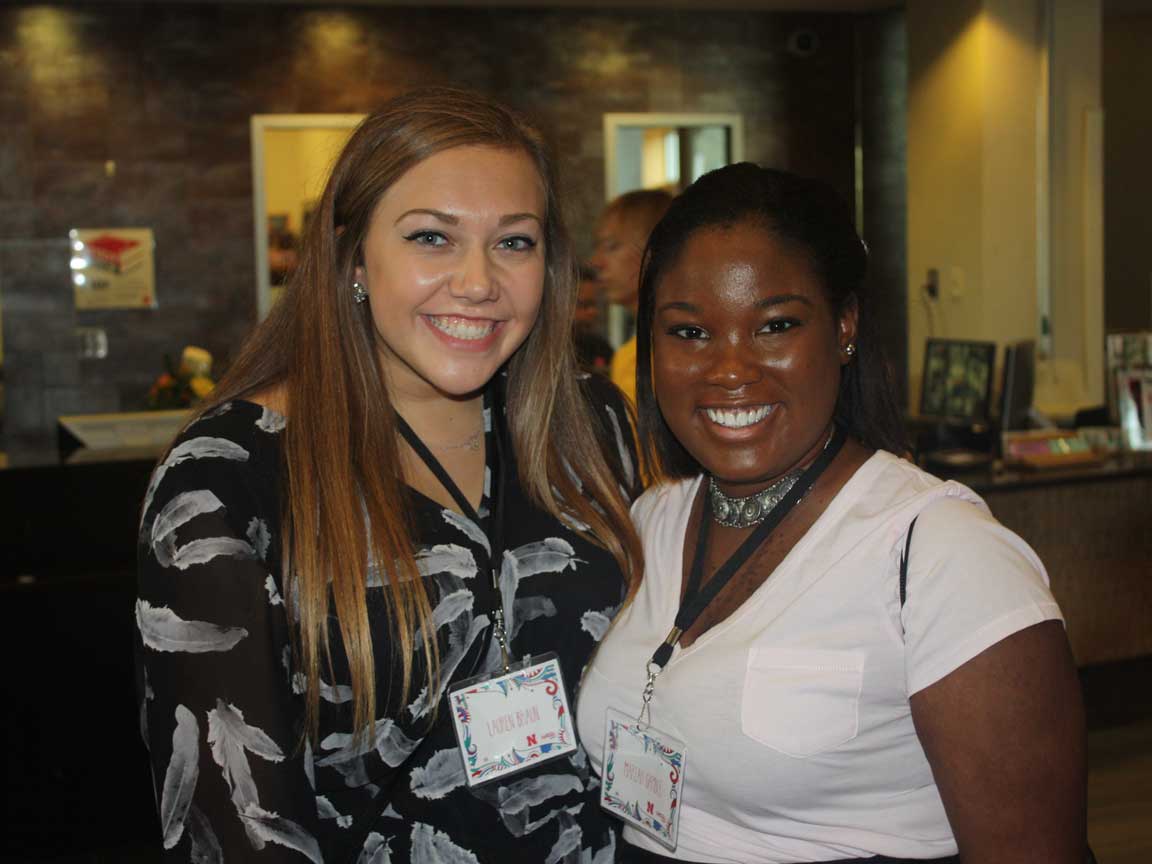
(593, 350)
(621, 234)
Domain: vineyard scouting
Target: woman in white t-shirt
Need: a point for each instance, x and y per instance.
(817, 710)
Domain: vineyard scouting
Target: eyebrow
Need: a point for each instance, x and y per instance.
(766, 303)
(519, 217)
(449, 219)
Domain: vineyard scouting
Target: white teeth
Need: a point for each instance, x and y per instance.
(462, 328)
(737, 418)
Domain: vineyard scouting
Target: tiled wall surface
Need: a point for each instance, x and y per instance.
(166, 91)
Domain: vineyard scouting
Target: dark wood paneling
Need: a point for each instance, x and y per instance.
(1095, 540)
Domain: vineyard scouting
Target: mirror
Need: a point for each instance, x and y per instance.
(663, 151)
(292, 155)
(667, 151)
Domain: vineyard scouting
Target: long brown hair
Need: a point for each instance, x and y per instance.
(345, 500)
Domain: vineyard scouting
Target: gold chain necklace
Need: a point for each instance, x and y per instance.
(472, 442)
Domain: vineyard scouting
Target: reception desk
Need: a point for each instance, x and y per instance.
(67, 588)
(1092, 528)
(70, 718)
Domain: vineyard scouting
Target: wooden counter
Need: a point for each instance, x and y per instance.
(1092, 528)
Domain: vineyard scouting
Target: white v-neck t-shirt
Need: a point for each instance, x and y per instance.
(794, 710)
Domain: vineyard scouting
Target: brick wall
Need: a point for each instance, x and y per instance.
(165, 91)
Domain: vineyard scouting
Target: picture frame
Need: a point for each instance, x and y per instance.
(1134, 407)
(957, 381)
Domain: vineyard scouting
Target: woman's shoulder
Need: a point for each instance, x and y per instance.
(602, 395)
(954, 528)
(230, 452)
(244, 422)
(615, 425)
(664, 503)
(889, 482)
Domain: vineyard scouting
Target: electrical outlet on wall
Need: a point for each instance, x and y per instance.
(957, 283)
(92, 343)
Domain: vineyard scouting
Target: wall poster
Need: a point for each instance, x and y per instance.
(112, 268)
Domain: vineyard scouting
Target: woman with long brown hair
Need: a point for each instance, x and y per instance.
(402, 484)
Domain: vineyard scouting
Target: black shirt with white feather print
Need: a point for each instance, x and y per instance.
(222, 706)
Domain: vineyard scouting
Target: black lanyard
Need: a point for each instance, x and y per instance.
(495, 528)
(696, 599)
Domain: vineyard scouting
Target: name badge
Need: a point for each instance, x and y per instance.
(513, 721)
(643, 776)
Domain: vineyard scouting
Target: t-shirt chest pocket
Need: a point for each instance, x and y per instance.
(799, 701)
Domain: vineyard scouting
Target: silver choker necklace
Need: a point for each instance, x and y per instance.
(753, 509)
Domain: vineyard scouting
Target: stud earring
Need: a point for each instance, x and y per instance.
(850, 349)
(359, 292)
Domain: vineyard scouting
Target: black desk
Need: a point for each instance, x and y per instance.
(75, 770)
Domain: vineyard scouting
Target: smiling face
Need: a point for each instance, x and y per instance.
(746, 355)
(454, 264)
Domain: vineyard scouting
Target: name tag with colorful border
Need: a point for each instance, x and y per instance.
(643, 777)
(513, 721)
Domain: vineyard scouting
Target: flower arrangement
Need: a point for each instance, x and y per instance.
(184, 385)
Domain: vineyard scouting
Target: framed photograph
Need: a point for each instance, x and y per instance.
(1134, 405)
(112, 268)
(1129, 351)
(957, 379)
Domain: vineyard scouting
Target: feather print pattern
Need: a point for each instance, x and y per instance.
(271, 421)
(327, 810)
(446, 558)
(273, 592)
(180, 778)
(259, 537)
(161, 629)
(274, 828)
(387, 739)
(622, 449)
(430, 846)
(235, 779)
(196, 448)
(596, 623)
(177, 513)
(552, 555)
(467, 527)
(443, 773)
(567, 843)
(204, 846)
(376, 850)
(457, 651)
(231, 740)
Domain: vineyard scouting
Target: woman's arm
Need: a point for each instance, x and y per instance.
(1004, 734)
(218, 713)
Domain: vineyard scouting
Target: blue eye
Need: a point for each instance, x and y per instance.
(427, 238)
(687, 332)
(519, 243)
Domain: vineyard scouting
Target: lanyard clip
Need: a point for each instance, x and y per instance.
(501, 638)
(655, 666)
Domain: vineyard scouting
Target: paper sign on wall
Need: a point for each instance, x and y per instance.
(112, 268)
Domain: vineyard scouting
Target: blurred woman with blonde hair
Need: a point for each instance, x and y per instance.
(621, 234)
